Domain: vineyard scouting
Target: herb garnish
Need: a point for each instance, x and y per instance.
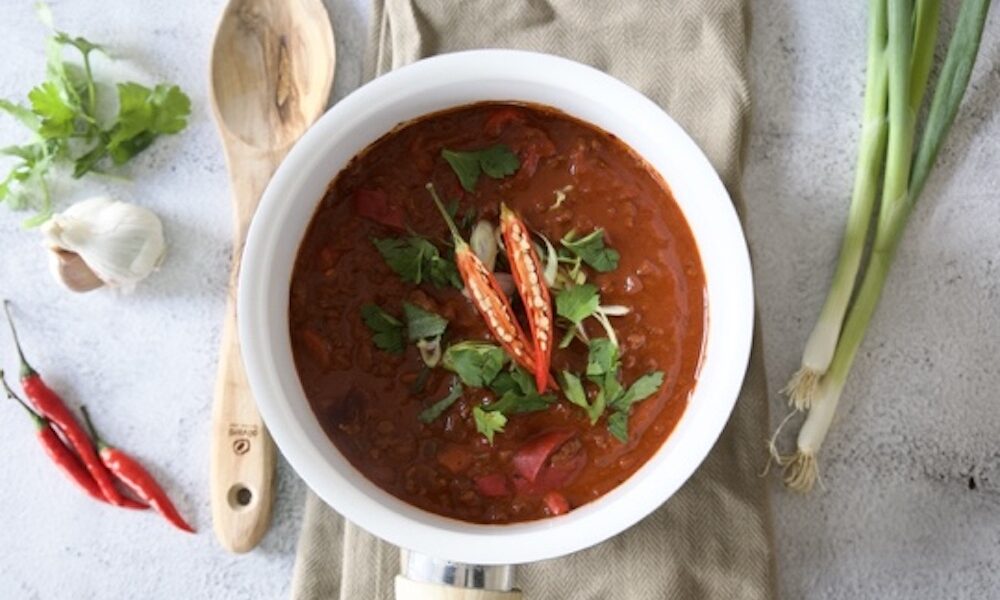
(591, 250)
(488, 423)
(496, 161)
(603, 370)
(422, 324)
(63, 117)
(575, 303)
(476, 363)
(387, 330)
(415, 260)
(435, 410)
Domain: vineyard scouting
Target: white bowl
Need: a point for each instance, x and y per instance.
(432, 85)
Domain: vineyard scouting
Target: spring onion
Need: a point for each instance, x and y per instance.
(911, 32)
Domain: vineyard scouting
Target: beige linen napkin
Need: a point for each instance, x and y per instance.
(712, 539)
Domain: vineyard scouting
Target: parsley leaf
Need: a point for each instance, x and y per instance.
(387, 330)
(423, 324)
(435, 410)
(514, 403)
(602, 358)
(476, 363)
(416, 260)
(488, 423)
(591, 250)
(577, 302)
(496, 161)
(641, 388)
(144, 114)
(573, 389)
(618, 426)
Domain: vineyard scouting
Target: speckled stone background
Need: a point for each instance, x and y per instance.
(910, 505)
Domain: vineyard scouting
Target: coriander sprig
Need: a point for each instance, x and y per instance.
(62, 115)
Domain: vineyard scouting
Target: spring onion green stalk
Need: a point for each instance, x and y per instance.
(900, 191)
(823, 340)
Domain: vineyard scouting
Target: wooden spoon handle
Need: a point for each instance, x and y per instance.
(243, 454)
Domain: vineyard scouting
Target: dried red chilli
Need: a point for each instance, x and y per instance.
(526, 268)
(487, 296)
(130, 472)
(62, 456)
(52, 407)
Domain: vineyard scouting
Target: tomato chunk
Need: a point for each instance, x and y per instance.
(493, 485)
(374, 205)
(500, 118)
(555, 503)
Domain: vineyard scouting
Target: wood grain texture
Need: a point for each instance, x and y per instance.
(272, 67)
(407, 589)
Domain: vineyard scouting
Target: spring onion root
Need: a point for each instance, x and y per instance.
(911, 34)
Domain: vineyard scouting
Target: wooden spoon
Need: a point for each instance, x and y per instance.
(272, 67)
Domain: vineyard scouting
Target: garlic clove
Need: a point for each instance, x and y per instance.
(69, 269)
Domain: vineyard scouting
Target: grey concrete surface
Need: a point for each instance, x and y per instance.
(897, 518)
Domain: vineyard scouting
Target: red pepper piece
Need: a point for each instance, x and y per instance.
(62, 456)
(530, 459)
(137, 478)
(555, 503)
(529, 278)
(487, 296)
(375, 206)
(52, 407)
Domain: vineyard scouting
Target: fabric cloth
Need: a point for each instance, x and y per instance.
(712, 539)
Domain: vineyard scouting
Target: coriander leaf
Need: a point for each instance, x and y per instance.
(577, 302)
(488, 423)
(435, 410)
(416, 260)
(496, 161)
(641, 389)
(387, 331)
(423, 324)
(602, 358)
(476, 363)
(82, 44)
(22, 114)
(611, 387)
(524, 381)
(171, 109)
(618, 426)
(591, 250)
(404, 256)
(144, 114)
(514, 403)
(55, 113)
(573, 389)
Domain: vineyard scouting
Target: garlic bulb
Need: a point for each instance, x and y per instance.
(104, 241)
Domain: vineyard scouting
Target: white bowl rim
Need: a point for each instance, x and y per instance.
(263, 305)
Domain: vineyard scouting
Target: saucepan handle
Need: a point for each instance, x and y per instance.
(428, 578)
(407, 589)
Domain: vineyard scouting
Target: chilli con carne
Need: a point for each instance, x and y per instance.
(520, 375)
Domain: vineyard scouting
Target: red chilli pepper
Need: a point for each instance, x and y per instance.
(527, 270)
(136, 478)
(62, 456)
(488, 298)
(52, 407)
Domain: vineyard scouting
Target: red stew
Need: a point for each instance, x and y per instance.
(544, 462)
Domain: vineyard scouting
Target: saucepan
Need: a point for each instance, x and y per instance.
(441, 550)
